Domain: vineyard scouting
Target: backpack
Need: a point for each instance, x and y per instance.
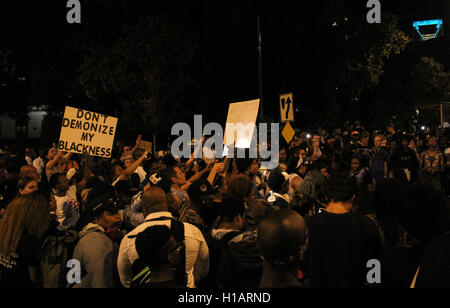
(139, 267)
(55, 251)
(216, 250)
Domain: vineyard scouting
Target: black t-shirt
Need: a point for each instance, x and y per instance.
(363, 150)
(405, 159)
(399, 265)
(339, 248)
(14, 267)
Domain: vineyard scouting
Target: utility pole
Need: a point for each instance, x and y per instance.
(261, 113)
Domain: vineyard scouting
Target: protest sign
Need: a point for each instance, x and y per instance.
(87, 132)
(240, 125)
(146, 145)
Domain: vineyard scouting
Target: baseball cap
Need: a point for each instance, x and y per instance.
(199, 189)
(101, 204)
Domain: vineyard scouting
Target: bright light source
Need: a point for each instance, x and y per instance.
(423, 127)
(308, 136)
(225, 151)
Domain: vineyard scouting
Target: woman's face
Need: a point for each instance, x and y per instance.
(254, 167)
(31, 187)
(118, 171)
(63, 183)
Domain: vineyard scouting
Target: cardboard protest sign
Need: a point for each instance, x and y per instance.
(146, 145)
(241, 121)
(87, 132)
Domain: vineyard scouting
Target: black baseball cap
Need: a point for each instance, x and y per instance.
(101, 204)
(200, 188)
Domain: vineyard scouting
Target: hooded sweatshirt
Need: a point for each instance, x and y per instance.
(97, 255)
(241, 263)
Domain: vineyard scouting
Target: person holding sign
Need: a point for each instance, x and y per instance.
(56, 162)
(67, 208)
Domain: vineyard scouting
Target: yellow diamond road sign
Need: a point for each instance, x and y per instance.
(288, 132)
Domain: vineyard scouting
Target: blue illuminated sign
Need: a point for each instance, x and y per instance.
(435, 22)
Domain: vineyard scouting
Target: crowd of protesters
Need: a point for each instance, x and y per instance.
(335, 201)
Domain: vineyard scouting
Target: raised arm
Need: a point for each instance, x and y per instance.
(195, 177)
(54, 161)
(136, 146)
(218, 167)
(198, 147)
(129, 171)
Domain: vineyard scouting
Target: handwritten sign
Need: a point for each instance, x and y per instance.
(241, 121)
(146, 145)
(87, 132)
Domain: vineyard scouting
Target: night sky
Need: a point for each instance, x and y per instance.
(299, 43)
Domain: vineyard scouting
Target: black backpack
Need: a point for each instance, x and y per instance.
(140, 268)
(216, 250)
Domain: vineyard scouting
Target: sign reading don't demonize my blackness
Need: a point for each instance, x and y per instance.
(87, 132)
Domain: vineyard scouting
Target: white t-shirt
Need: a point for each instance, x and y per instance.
(141, 172)
(67, 211)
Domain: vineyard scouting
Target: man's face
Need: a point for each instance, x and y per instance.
(316, 138)
(377, 141)
(302, 154)
(109, 220)
(432, 142)
(283, 155)
(181, 177)
(355, 165)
